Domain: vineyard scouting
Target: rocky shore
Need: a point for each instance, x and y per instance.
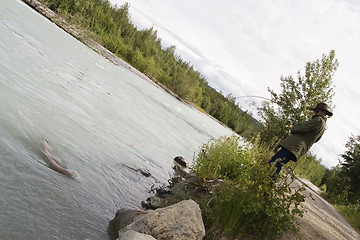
(173, 213)
(181, 221)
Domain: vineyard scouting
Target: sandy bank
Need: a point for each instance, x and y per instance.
(321, 220)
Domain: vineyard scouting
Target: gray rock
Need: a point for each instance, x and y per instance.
(155, 202)
(181, 221)
(133, 235)
(123, 218)
(180, 160)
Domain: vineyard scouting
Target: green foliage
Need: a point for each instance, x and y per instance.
(336, 191)
(343, 181)
(351, 167)
(297, 96)
(310, 168)
(248, 201)
(111, 27)
(351, 212)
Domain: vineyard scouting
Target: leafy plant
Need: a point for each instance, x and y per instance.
(343, 181)
(249, 201)
(351, 167)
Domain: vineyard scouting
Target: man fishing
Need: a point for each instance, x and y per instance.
(303, 136)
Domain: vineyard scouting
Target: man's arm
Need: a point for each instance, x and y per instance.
(305, 127)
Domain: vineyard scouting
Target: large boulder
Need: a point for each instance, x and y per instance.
(123, 217)
(133, 235)
(181, 221)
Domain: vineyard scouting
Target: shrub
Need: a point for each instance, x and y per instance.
(310, 168)
(248, 201)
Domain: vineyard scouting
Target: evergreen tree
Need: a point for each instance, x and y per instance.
(351, 168)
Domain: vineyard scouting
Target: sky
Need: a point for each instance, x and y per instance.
(242, 47)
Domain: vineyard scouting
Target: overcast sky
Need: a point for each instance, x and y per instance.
(242, 47)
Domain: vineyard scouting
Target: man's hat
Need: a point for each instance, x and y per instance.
(324, 107)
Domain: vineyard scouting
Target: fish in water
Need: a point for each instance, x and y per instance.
(54, 165)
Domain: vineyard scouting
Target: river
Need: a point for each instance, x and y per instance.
(96, 116)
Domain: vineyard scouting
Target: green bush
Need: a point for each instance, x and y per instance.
(249, 201)
(310, 168)
(337, 191)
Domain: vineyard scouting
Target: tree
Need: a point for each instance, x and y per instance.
(296, 97)
(351, 167)
(336, 190)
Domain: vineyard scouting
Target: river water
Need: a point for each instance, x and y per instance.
(96, 116)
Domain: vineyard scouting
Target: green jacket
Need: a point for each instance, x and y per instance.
(304, 135)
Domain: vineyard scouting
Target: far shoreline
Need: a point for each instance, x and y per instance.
(78, 33)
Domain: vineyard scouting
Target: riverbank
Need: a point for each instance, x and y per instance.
(320, 221)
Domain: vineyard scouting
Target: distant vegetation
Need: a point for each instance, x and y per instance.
(343, 183)
(111, 27)
(310, 168)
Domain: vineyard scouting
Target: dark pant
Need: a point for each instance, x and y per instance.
(285, 156)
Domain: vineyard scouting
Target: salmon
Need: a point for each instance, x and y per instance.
(54, 165)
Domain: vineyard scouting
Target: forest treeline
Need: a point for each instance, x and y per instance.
(110, 26)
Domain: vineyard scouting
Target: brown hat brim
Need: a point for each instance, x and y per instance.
(327, 112)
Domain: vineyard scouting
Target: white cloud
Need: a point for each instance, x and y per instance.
(243, 46)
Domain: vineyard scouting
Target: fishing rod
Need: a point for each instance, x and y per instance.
(254, 96)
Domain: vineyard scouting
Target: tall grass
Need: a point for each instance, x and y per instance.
(351, 212)
(249, 201)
